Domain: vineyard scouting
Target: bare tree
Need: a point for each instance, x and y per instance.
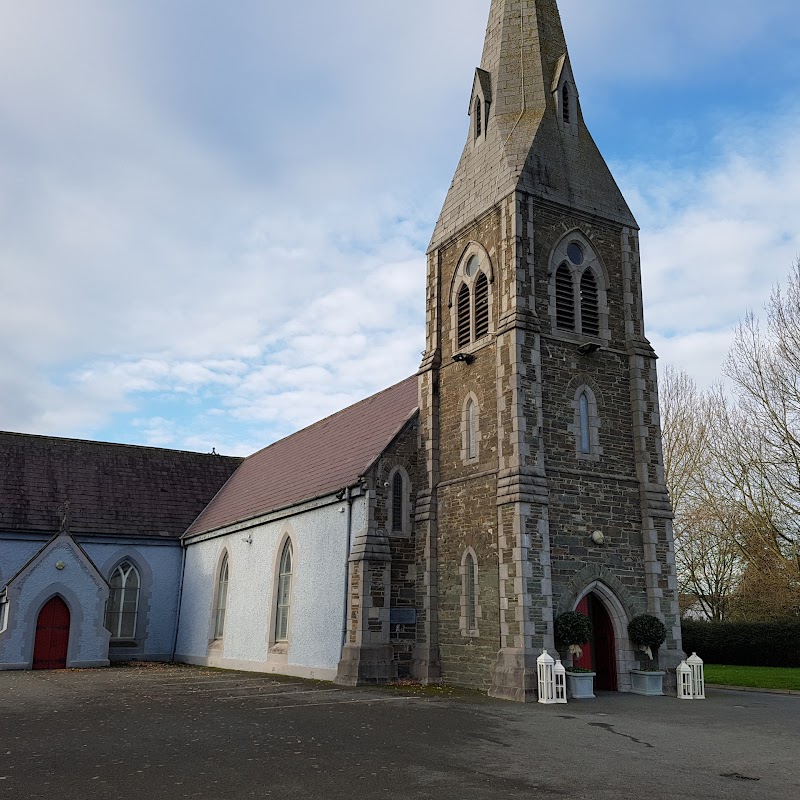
(732, 462)
(757, 444)
(708, 561)
(685, 430)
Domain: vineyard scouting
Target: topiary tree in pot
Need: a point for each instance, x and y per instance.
(648, 633)
(574, 630)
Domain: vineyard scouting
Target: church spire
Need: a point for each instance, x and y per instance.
(530, 132)
(524, 41)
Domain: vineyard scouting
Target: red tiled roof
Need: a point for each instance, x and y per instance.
(314, 462)
(112, 489)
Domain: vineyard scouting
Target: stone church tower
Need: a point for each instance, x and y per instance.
(539, 416)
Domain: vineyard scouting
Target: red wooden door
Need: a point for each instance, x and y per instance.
(585, 661)
(600, 652)
(52, 636)
(605, 648)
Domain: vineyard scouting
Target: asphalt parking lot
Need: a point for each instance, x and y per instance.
(158, 732)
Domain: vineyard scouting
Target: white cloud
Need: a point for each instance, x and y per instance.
(212, 217)
(715, 242)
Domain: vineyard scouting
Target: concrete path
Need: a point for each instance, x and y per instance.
(174, 732)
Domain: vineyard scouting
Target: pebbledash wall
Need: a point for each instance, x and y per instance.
(320, 532)
(158, 562)
(61, 569)
(16, 550)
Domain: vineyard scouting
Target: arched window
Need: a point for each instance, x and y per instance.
(123, 602)
(221, 599)
(284, 594)
(586, 423)
(397, 502)
(470, 609)
(481, 306)
(470, 593)
(583, 412)
(590, 311)
(565, 299)
(478, 120)
(472, 430)
(464, 334)
(565, 110)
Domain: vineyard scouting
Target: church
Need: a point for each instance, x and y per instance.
(437, 529)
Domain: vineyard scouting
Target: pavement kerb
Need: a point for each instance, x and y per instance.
(751, 689)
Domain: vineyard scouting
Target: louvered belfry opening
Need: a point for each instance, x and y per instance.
(481, 306)
(565, 299)
(590, 312)
(565, 103)
(478, 120)
(463, 316)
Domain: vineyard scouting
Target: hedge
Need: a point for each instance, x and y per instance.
(748, 644)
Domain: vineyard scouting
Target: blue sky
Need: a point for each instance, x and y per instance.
(213, 215)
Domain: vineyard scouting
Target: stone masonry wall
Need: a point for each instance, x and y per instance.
(586, 494)
(467, 490)
(406, 453)
(612, 490)
(467, 518)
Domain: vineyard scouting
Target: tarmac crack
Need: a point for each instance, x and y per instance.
(610, 728)
(737, 776)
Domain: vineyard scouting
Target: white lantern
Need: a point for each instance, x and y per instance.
(684, 674)
(695, 663)
(547, 684)
(560, 679)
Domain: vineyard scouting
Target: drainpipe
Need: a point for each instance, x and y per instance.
(349, 499)
(180, 601)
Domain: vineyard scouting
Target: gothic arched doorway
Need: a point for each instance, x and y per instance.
(52, 635)
(600, 654)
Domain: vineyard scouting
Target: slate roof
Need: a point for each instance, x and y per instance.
(527, 150)
(316, 461)
(113, 489)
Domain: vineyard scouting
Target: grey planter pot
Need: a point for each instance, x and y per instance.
(580, 685)
(650, 684)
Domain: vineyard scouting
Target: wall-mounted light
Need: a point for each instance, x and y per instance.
(60, 565)
(466, 358)
(598, 537)
(248, 539)
(588, 348)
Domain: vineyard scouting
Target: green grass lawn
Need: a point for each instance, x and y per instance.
(756, 677)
